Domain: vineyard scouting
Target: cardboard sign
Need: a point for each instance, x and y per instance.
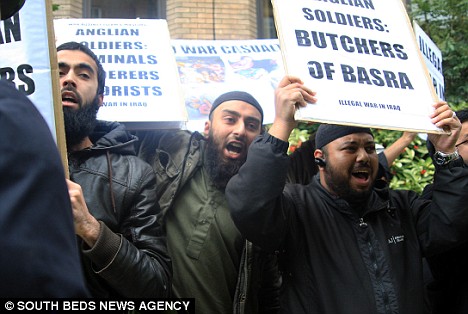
(362, 58)
(142, 85)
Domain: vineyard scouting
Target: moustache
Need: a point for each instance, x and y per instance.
(74, 91)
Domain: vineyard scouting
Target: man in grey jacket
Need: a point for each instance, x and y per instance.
(349, 247)
(112, 191)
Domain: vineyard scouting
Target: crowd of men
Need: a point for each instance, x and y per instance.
(179, 214)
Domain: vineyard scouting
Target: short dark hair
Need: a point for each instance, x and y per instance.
(101, 75)
(462, 115)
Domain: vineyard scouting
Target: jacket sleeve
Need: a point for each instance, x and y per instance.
(270, 286)
(258, 207)
(443, 221)
(135, 263)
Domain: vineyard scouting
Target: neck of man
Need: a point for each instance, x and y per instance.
(357, 201)
(359, 207)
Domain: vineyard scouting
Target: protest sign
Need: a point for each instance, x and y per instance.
(433, 59)
(29, 60)
(26, 59)
(209, 68)
(142, 86)
(362, 59)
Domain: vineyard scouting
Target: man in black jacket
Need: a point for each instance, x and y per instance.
(39, 254)
(448, 291)
(112, 191)
(348, 247)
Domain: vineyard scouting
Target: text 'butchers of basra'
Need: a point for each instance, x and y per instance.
(360, 75)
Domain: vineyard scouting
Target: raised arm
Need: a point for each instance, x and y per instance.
(446, 119)
(255, 194)
(444, 223)
(396, 148)
(289, 96)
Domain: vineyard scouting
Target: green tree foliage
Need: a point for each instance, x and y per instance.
(414, 169)
(446, 23)
(301, 134)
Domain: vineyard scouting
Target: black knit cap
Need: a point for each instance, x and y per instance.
(327, 133)
(236, 95)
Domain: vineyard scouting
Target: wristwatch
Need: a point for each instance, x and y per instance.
(441, 159)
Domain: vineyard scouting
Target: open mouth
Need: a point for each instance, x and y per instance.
(234, 148)
(361, 175)
(69, 97)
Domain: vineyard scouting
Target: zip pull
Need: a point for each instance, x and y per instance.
(362, 224)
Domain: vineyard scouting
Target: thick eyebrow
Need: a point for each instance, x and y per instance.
(235, 113)
(355, 143)
(253, 120)
(81, 65)
(231, 112)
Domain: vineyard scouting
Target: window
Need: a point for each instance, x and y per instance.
(96, 12)
(124, 9)
(265, 20)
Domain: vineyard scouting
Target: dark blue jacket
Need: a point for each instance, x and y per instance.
(39, 254)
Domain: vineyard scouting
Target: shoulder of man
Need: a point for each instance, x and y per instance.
(150, 140)
(177, 145)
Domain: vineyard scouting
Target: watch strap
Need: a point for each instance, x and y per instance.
(441, 158)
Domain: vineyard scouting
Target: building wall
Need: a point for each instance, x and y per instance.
(212, 19)
(68, 9)
(196, 19)
(201, 19)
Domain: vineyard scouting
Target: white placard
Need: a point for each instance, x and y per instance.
(362, 59)
(433, 58)
(25, 59)
(142, 85)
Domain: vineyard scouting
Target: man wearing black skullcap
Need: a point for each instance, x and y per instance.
(212, 262)
(348, 248)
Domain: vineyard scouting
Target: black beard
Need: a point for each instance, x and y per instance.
(80, 123)
(341, 188)
(219, 170)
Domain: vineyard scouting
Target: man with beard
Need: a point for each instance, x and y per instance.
(348, 246)
(112, 191)
(212, 262)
